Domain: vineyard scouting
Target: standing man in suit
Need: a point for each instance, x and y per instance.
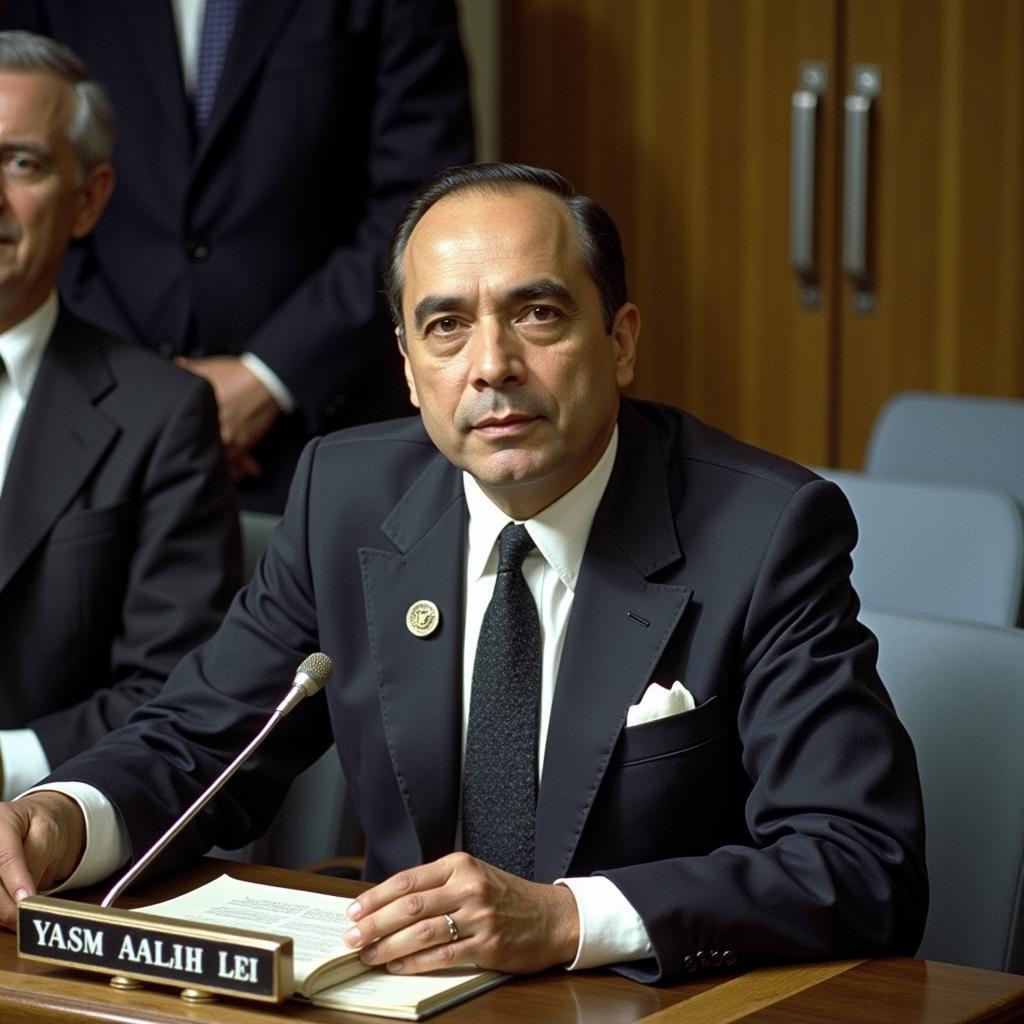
(118, 526)
(248, 230)
(663, 746)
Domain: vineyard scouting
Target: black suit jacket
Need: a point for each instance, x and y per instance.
(268, 234)
(780, 819)
(119, 547)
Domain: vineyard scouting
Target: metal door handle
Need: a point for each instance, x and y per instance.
(867, 80)
(802, 153)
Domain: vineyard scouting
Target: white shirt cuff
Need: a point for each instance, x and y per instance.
(270, 380)
(106, 845)
(611, 931)
(23, 759)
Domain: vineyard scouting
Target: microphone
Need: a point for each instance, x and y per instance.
(310, 677)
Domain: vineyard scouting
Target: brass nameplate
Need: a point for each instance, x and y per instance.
(133, 944)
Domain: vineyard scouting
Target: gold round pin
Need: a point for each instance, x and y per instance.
(422, 618)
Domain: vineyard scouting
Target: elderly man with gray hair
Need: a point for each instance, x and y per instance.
(119, 546)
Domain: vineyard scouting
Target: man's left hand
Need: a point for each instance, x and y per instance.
(504, 923)
(246, 409)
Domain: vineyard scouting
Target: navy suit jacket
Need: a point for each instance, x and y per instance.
(780, 819)
(119, 546)
(268, 234)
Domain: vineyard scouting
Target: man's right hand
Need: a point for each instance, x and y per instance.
(42, 839)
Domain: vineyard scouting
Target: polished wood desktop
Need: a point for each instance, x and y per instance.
(897, 990)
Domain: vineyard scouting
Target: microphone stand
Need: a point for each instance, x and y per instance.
(311, 676)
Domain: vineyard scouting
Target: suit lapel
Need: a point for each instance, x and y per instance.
(154, 43)
(61, 438)
(419, 678)
(619, 625)
(256, 29)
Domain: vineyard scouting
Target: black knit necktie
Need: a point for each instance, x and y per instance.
(499, 799)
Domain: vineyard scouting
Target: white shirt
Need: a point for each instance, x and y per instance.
(610, 929)
(21, 348)
(188, 24)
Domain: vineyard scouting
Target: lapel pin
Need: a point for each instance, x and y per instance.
(422, 618)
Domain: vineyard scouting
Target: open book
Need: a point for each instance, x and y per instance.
(325, 969)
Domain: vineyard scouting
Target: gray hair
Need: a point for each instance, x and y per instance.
(91, 131)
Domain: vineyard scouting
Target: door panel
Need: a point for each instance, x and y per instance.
(675, 114)
(676, 117)
(947, 218)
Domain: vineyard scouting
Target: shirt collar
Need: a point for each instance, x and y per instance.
(22, 345)
(560, 531)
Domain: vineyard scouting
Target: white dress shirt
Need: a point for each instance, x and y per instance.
(21, 348)
(610, 929)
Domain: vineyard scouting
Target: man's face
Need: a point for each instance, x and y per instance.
(507, 356)
(41, 206)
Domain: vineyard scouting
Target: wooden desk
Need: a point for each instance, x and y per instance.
(897, 990)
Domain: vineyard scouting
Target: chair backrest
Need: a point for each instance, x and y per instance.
(972, 439)
(959, 689)
(317, 820)
(937, 549)
(256, 530)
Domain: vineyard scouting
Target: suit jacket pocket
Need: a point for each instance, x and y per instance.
(90, 524)
(673, 735)
(673, 788)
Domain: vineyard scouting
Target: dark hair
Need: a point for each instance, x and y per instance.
(600, 245)
(91, 131)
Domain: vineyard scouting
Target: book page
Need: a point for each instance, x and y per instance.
(315, 922)
(407, 996)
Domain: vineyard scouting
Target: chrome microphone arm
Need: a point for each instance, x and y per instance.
(310, 677)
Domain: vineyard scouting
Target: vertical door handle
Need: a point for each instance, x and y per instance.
(867, 81)
(813, 80)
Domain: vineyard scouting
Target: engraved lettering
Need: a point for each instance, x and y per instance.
(241, 968)
(193, 959)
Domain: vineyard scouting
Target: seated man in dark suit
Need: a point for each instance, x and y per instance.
(602, 695)
(118, 529)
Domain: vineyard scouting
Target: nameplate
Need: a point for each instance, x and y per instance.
(143, 947)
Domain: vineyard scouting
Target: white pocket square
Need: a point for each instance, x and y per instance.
(660, 702)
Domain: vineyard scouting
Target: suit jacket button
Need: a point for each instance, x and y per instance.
(728, 958)
(702, 958)
(716, 958)
(197, 250)
(689, 964)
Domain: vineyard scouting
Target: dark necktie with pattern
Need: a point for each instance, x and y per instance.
(218, 24)
(499, 801)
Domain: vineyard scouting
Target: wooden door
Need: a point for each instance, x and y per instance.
(675, 114)
(946, 214)
(676, 117)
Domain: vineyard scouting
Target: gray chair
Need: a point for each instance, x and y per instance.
(921, 435)
(317, 822)
(959, 689)
(256, 530)
(937, 549)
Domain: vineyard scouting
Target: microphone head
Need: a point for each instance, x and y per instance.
(314, 671)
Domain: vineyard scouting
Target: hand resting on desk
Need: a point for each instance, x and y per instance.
(42, 838)
(503, 922)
